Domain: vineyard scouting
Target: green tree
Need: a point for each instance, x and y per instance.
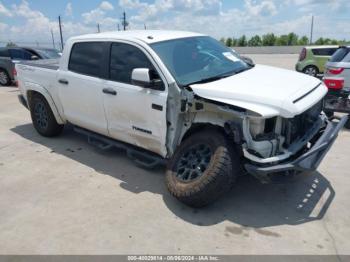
(10, 44)
(304, 40)
(242, 41)
(282, 40)
(223, 40)
(229, 42)
(320, 41)
(268, 40)
(292, 39)
(335, 42)
(255, 41)
(234, 42)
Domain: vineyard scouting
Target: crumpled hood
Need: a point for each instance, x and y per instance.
(266, 90)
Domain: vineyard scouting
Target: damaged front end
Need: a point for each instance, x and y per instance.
(277, 147)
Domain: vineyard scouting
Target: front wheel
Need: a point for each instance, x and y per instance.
(203, 168)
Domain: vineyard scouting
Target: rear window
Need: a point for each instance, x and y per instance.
(340, 54)
(324, 51)
(86, 58)
(4, 52)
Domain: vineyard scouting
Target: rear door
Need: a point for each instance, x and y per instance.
(81, 85)
(135, 114)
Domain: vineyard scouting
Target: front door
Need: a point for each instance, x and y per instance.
(135, 114)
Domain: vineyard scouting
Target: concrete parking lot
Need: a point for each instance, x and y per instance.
(63, 196)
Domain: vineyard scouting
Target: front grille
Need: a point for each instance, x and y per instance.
(295, 128)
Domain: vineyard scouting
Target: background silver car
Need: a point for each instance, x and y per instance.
(337, 79)
(337, 73)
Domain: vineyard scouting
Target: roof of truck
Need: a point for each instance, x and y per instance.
(148, 36)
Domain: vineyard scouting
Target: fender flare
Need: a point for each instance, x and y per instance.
(33, 87)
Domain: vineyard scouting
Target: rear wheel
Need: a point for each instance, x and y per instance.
(203, 168)
(43, 118)
(4, 78)
(311, 70)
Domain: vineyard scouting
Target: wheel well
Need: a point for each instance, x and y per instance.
(31, 94)
(199, 127)
(311, 66)
(3, 69)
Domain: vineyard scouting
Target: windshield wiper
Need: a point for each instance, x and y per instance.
(210, 79)
(214, 78)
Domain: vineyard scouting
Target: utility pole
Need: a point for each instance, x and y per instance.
(312, 29)
(60, 26)
(145, 26)
(98, 28)
(118, 27)
(124, 22)
(53, 40)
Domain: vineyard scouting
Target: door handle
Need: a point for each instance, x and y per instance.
(109, 91)
(63, 81)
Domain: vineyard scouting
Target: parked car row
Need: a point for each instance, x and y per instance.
(9, 56)
(312, 59)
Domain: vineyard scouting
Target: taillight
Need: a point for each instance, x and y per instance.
(335, 71)
(334, 83)
(14, 73)
(302, 55)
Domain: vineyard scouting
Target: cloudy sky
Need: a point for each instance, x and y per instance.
(32, 20)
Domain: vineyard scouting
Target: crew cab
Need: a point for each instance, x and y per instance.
(185, 99)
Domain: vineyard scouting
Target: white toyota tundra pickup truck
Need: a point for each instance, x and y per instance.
(186, 99)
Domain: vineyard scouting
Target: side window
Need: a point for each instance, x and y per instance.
(16, 54)
(331, 51)
(125, 58)
(324, 51)
(27, 55)
(87, 58)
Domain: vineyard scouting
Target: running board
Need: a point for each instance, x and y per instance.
(140, 157)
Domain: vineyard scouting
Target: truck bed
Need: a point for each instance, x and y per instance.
(52, 64)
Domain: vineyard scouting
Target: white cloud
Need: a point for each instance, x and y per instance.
(4, 11)
(3, 27)
(98, 15)
(107, 6)
(265, 8)
(69, 9)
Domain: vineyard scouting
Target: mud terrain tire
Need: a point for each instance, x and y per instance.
(203, 168)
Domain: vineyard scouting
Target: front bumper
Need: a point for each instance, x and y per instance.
(309, 161)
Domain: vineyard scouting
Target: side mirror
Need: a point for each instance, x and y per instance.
(146, 78)
(34, 57)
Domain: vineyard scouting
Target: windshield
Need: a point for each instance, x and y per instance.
(198, 59)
